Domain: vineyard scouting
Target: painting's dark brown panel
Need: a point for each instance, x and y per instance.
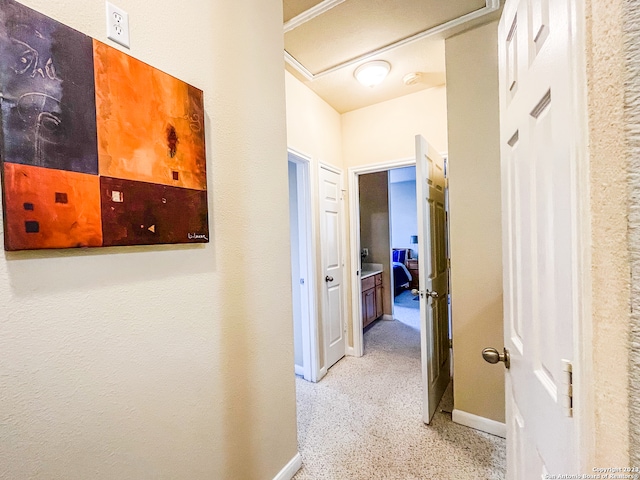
(139, 213)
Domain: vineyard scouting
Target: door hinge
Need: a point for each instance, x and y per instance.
(566, 395)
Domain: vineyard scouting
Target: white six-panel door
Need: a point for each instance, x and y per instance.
(331, 231)
(538, 131)
(434, 285)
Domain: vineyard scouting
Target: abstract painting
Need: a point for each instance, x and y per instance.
(97, 148)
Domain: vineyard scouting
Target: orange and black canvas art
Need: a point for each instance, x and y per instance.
(97, 148)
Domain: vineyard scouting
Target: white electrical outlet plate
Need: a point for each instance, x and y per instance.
(118, 25)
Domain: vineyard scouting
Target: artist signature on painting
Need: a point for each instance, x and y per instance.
(197, 236)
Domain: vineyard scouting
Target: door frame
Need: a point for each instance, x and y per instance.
(307, 235)
(583, 385)
(357, 350)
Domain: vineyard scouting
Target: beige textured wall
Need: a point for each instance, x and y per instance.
(314, 130)
(609, 250)
(375, 229)
(313, 126)
(386, 131)
(475, 227)
(167, 362)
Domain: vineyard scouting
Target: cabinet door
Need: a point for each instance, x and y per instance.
(379, 298)
(369, 306)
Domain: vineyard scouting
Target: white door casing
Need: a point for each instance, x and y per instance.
(306, 260)
(434, 276)
(331, 234)
(298, 273)
(539, 131)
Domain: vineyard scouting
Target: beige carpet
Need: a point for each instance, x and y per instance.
(363, 420)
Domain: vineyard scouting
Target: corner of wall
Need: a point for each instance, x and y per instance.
(475, 219)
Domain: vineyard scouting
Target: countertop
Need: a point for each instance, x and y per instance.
(369, 269)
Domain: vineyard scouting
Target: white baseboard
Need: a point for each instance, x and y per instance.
(299, 370)
(387, 317)
(480, 423)
(290, 469)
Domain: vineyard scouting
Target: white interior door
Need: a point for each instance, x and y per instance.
(434, 284)
(540, 233)
(331, 231)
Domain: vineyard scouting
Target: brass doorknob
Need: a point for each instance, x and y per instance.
(428, 293)
(492, 355)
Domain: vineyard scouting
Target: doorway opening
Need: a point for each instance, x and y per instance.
(372, 243)
(389, 262)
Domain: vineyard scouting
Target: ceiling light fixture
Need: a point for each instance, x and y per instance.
(373, 73)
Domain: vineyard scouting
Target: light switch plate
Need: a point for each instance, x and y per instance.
(118, 25)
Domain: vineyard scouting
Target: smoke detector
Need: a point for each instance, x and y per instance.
(412, 78)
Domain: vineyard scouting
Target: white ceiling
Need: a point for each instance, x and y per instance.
(326, 40)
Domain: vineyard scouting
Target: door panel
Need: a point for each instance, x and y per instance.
(369, 313)
(433, 277)
(540, 233)
(331, 231)
(539, 25)
(333, 240)
(334, 295)
(516, 447)
(379, 301)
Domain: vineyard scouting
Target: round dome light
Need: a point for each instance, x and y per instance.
(372, 73)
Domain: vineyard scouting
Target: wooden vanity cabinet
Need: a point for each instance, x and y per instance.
(372, 299)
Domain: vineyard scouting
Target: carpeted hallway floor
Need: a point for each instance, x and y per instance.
(363, 420)
(406, 308)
